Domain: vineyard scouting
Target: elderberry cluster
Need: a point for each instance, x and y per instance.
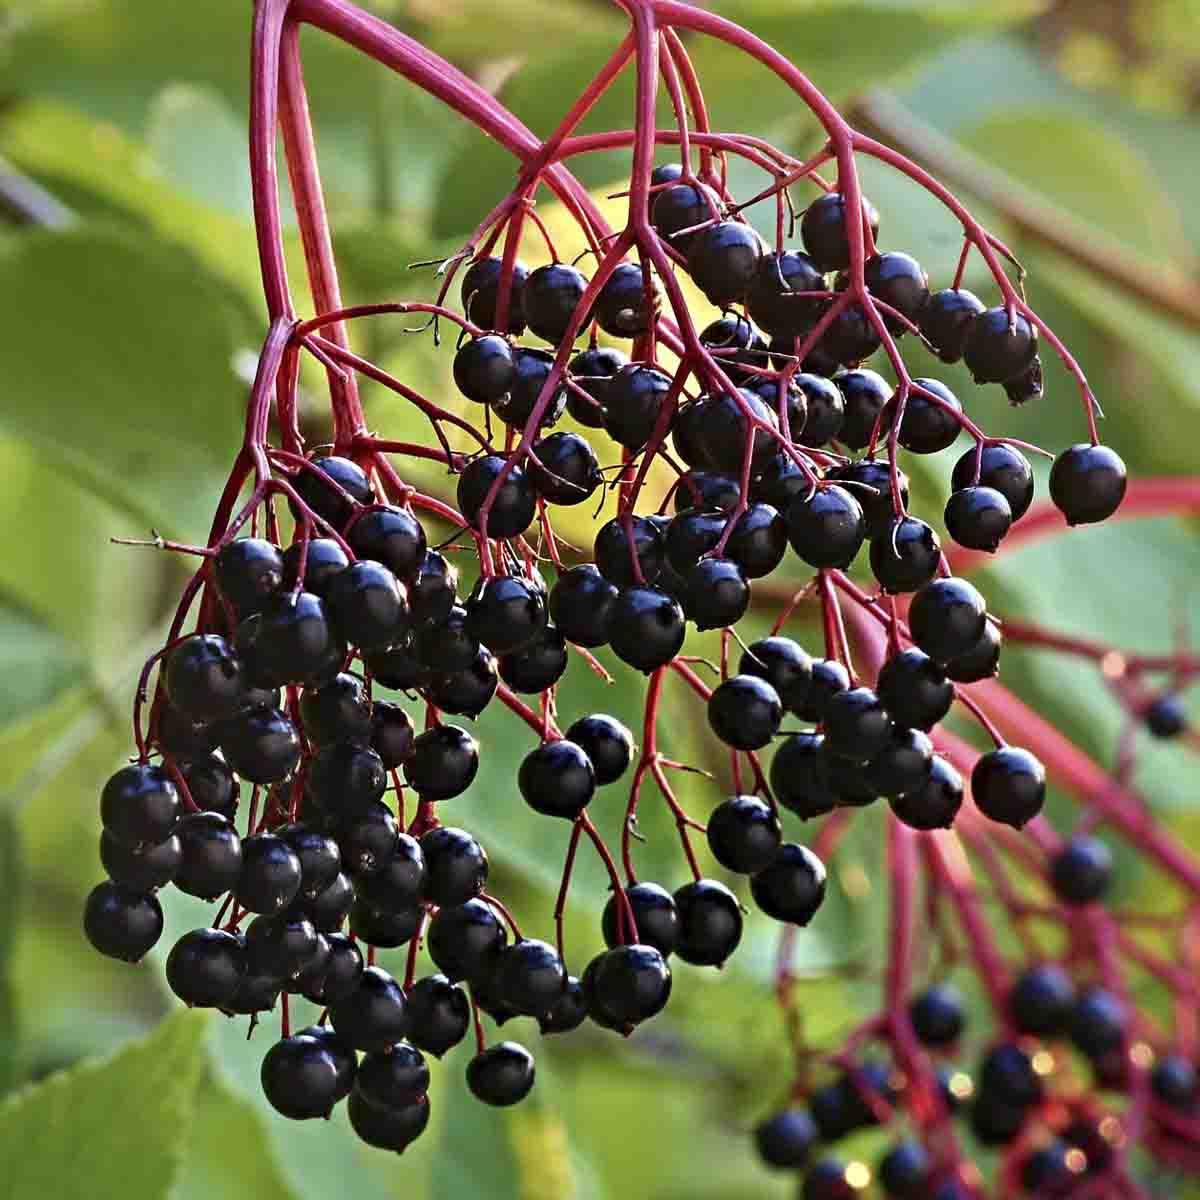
(277, 686)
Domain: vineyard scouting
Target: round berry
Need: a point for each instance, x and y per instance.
(739, 344)
(332, 487)
(631, 984)
(1097, 1023)
(947, 618)
(373, 1016)
(905, 1171)
(926, 426)
(857, 726)
(1174, 1081)
(1042, 1000)
(140, 868)
(501, 1075)
(758, 541)
(204, 679)
(1001, 467)
(443, 763)
(978, 518)
(981, 661)
(995, 349)
(212, 855)
(140, 805)
(654, 915)
(715, 593)
(569, 473)
(826, 410)
(799, 777)
(905, 556)
(786, 1139)
(607, 744)
(392, 1078)
(467, 692)
(340, 974)
(552, 294)
(900, 282)
(692, 534)
(938, 1015)
(512, 511)
(262, 745)
(439, 1014)
(533, 369)
(1081, 871)
(569, 1011)
(723, 261)
(1007, 1075)
(870, 482)
(914, 690)
(1009, 785)
(557, 779)
(271, 874)
(391, 536)
(681, 208)
(323, 560)
(400, 882)
(710, 922)
(279, 945)
(456, 866)
(823, 230)
(249, 573)
(826, 528)
(367, 839)
(343, 778)
(902, 765)
(772, 299)
(1087, 483)
(538, 665)
(851, 338)
(707, 491)
(480, 294)
(726, 422)
(792, 887)
(464, 940)
(1166, 717)
(744, 834)
(330, 908)
(647, 628)
(581, 605)
(745, 712)
(391, 734)
(445, 645)
(592, 371)
(935, 803)
(530, 977)
(505, 612)
(866, 395)
(388, 1128)
(483, 368)
(205, 967)
(122, 922)
(622, 309)
(179, 735)
(433, 589)
(211, 784)
(292, 640)
(945, 319)
(783, 664)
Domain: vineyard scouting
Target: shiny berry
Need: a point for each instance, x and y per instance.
(280, 945)
(914, 690)
(388, 1128)
(1041, 1001)
(905, 556)
(935, 802)
(552, 293)
(786, 1139)
(530, 977)
(1001, 467)
(483, 368)
(332, 487)
(772, 299)
(392, 1078)
(569, 473)
(947, 618)
(323, 560)
(1009, 785)
(739, 344)
(869, 481)
(758, 541)
(621, 308)
(373, 1016)
(792, 886)
(438, 1014)
(205, 967)
(1097, 1025)
(981, 661)
(212, 855)
(467, 692)
(391, 734)
(681, 208)
(480, 294)
(1166, 717)
(829, 678)
(606, 742)
(630, 984)
(292, 640)
(122, 922)
(140, 868)
(799, 777)
(569, 1011)
(996, 349)
(857, 727)
(538, 665)
(1007, 1075)
(647, 628)
(505, 612)
(533, 368)
(140, 805)
(581, 605)
(744, 834)
(513, 509)
(443, 763)
(341, 971)
(945, 319)
(501, 1075)
(900, 282)
(710, 923)
(783, 664)
(744, 712)
(557, 779)
(823, 229)
(905, 1171)
(204, 678)
(271, 874)
(723, 261)
(902, 764)
(391, 536)
(715, 593)
(865, 395)
(978, 518)
(249, 572)
(592, 370)
(1087, 483)
(343, 778)
(826, 411)
(926, 426)
(826, 528)
(330, 908)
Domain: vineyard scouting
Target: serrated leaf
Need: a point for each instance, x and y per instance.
(106, 1130)
(110, 324)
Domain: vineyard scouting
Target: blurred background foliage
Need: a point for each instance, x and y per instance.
(132, 317)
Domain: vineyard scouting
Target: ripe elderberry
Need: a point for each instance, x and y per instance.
(926, 426)
(501, 1075)
(935, 802)
(996, 349)
(791, 887)
(302, 1078)
(592, 371)
(630, 984)
(249, 573)
(333, 487)
(1081, 871)
(786, 1139)
(1009, 785)
(205, 967)
(715, 593)
(204, 679)
(1087, 483)
(122, 922)
(626, 301)
(530, 977)
(823, 230)
(374, 1015)
(262, 745)
(483, 368)
(654, 914)
(607, 744)
(505, 612)
(552, 293)
(826, 528)
(945, 319)
(905, 555)
(997, 466)
(647, 628)
(515, 503)
(1041, 1000)
(724, 260)
(557, 779)
(439, 1014)
(866, 395)
(978, 517)
(710, 923)
(744, 834)
(938, 1016)
(480, 294)
(947, 618)
(211, 861)
(899, 281)
(799, 777)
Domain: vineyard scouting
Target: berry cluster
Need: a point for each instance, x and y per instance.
(781, 453)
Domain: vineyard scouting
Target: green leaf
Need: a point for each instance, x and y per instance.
(106, 1130)
(12, 871)
(142, 330)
